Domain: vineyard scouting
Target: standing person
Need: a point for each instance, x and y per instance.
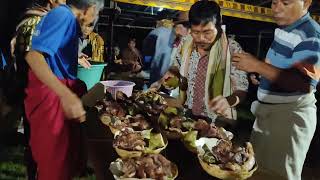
(91, 46)
(209, 85)
(286, 111)
(20, 45)
(158, 46)
(52, 106)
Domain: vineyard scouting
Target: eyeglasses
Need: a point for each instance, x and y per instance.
(205, 34)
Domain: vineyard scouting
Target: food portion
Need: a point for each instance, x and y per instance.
(222, 159)
(151, 102)
(137, 123)
(173, 119)
(202, 129)
(127, 140)
(154, 166)
(130, 140)
(111, 108)
(211, 130)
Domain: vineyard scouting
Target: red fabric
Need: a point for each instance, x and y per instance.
(199, 87)
(55, 141)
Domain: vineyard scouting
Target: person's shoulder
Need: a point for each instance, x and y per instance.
(234, 46)
(61, 12)
(28, 22)
(310, 29)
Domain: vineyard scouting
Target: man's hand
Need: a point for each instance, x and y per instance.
(71, 104)
(254, 79)
(219, 105)
(157, 85)
(83, 60)
(136, 67)
(245, 62)
(72, 107)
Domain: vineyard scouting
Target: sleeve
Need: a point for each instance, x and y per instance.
(52, 31)
(177, 55)
(3, 61)
(306, 56)
(239, 80)
(149, 45)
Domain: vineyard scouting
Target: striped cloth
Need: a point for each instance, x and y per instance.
(295, 46)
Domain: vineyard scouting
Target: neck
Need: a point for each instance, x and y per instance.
(202, 51)
(48, 7)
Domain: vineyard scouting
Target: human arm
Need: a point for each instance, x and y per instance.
(71, 104)
(239, 85)
(287, 79)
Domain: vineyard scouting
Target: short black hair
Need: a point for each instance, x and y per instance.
(42, 3)
(131, 39)
(203, 12)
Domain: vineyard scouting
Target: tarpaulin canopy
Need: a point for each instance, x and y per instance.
(229, 8)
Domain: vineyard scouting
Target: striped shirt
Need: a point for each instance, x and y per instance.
(295, 46)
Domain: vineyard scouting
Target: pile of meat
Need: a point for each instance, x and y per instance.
(153, 166)
(151, 103)
(129, 140)
(210, 130)
(110, 108)
(228, 156)
(137, 122)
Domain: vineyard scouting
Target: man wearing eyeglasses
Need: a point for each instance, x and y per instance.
(209, 85)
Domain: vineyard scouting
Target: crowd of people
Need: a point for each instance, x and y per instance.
(55, 36)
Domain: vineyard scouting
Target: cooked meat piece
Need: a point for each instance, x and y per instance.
(215, 132)
(121, 96)
(140, 122)
(129, 141)
(240, 155)
(129, 168)
(209, 130)
(151, 166)
(121, 112)
(223, 151)
(201, 125)
(159, 107)
(176, 122)
(141, 172)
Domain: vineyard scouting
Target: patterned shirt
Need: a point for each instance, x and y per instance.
(295, 46)
(26, 29)
(196, 80)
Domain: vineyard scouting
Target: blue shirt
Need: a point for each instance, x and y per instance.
(295, 46)
(57, 36)
(158, 45)
(3, 61)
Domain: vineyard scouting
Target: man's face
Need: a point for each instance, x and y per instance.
(286, 12)
(57, 3)
(87, 17)
(181, 31)
(204, 35)
(87, 30)
(132, 44)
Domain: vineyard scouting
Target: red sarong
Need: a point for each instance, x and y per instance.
(55, 141)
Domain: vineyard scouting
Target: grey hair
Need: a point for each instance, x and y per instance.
(84, 4)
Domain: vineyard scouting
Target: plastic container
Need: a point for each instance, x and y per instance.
(113, 86)
(91, 75)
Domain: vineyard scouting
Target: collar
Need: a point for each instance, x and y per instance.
(294, 25)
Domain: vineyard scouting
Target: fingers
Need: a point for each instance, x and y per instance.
(84, 62)
(82, 119)
(219, 105)
(82, 55)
